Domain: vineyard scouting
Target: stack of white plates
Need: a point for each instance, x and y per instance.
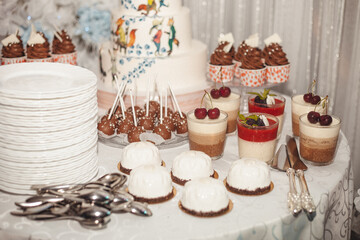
(48, 125)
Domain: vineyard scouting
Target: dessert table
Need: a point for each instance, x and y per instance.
(252, 217)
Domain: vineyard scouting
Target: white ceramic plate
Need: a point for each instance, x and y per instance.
(44, 80)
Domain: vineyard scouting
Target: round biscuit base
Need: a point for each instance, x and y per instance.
(154, 200)
(256, 192)
(127, 171)
(207, 214)
(182, 182)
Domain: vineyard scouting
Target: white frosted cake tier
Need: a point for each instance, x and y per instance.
(140, 33)
(185, 72)
(141, 7)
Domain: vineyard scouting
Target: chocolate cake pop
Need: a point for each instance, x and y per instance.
(134, 134)
(113, 119)
(181, 126)
(170, 112)
(124, 126)
(163, 131)
(154, 107)
(107, 127)
(177, 118)
(147, 122)
(169, 122)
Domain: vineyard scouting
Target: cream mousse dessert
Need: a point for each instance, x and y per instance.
(207, 131)
(249, 176)
(190, 165)
(139, 153)
(150, 183)
(257, 134)
(205, 197)
(268, 103)
(318, 137)
(299, 107)
(226, 101)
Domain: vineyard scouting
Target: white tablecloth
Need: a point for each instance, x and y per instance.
(260, 217)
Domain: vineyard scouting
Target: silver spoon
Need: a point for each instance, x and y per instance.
(33, 210)
(140, 209)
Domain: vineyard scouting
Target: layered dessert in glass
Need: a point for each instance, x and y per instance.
(257, 134)
(299, 107)
(275, 107)
(230, 105)
(318, 142)
(207, 135)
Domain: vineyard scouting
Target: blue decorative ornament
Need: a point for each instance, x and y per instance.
(121, 61)
(27, 31)
(147, 46)
(163, 50)
(94, 24)
(138, 52)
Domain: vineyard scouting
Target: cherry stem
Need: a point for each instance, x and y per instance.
(206, 93)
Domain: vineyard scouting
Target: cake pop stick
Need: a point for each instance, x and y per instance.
(174, 99)
(161, 103)
(147, 97)
(114, 104)
(122, 105)
(132, 106)
(121, 100)
(166, 96)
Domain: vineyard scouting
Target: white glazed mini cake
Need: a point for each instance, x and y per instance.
(139, 153)
(150, 183)
(249, 176)
(151, 40)
(205, 197)
(190, 165)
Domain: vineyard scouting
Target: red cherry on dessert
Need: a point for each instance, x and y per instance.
(307, 97)
(200, 113)
(313, 117)
(213, 113)
(225, 91)
(325, 120)
(315, 99)
(215, 93)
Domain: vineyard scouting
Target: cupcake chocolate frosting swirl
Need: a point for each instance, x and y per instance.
(220, 57)
(12, 47)
(252, 59)
(38, 47)
(274, 55)
(241, 50)
(13, 50)
(64, 47)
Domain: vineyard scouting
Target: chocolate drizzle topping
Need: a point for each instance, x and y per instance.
(274, 55)
(64, 47)
(220, 57)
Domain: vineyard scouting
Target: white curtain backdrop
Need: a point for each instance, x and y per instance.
(321, 39)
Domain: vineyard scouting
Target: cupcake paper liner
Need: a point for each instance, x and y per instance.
(49, 59)
(252, 78)
(237, 68)
(277, 74)
(6, 61)
(226, 74)
(69, 58)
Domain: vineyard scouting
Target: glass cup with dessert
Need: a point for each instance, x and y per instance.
(227, 101)
(268, 103)
(318, 137)
(207, 131)
(257, 136)
(304, 103)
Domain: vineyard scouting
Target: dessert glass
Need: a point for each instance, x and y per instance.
(300, 107)
(318, 143)
(258, 141)
(276, 109)
(230, 105)
(207, 135)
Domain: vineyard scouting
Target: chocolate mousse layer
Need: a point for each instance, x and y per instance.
(213, 145)
(63, 47)
(220, 57)
(295, 124)
(274, 55)
(13, 50)
(231, 122)
(317, 150)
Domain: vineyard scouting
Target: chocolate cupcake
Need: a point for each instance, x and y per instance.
(12, 50)
(38, 49)
(63, 49)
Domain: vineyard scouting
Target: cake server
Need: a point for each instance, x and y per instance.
(282, 163)
(307, 202)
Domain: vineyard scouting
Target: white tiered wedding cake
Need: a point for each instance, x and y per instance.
(152, 39)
